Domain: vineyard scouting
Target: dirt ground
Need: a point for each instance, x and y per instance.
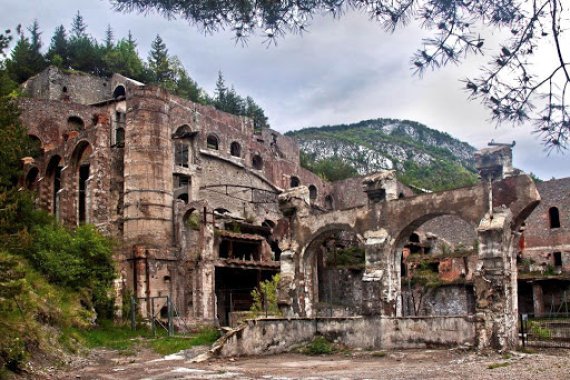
(551, 364)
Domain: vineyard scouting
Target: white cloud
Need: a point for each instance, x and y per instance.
(341, 71)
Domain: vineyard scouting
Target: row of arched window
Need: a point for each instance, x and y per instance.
(182, 155)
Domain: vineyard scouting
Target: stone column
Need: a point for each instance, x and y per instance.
(379, 293)
(294, 204)
(495, 284)
(286, 297)
(537, 299)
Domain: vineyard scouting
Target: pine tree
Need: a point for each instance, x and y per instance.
(26, 59)
(58, 52)
(158, 62)
(109, 38)
(84, 53)
(256, 113)
(124, 59)
(78, 27)
(220, 93)
(37, 60)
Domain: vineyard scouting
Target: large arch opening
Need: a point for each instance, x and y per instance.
(82, 166)
(434, 261)
(334, 263)
(53, 173)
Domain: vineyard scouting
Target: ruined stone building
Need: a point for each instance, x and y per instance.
(205, 206)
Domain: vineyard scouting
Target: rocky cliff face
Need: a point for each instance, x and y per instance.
(421, 155)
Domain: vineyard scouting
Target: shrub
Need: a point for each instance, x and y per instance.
(77, 259)
(318, 346)
(265, 297)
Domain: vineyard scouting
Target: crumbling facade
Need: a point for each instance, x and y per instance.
(205, 207)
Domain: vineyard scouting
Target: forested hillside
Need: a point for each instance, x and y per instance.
(423, 157)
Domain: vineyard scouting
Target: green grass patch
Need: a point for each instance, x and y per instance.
(127, 341)
(379, 354)
(113, 336)
(498, 365)
(170, 345)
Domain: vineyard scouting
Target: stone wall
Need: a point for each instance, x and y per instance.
(73, 86)
(271, 336)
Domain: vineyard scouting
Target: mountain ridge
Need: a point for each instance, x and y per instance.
(423, 157)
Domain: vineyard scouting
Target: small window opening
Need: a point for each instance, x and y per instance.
(257, 162)
(312, 192)
(212, 142)
(164, 312)
(329, 202)
(554, 217)
(120, 137)
(119, 92)
(295, 181)
(401, 195)
(64, 89)
(557, 259)
(235, 149)
(75, 123)
(240, 250)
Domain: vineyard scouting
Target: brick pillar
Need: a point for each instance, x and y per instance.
(495, 283)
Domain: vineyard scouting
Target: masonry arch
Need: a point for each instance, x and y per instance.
(433, 260)
(75, 123)
(120, 92)
(53, 175)
(81, 171)
(332, 266)
(212, 142)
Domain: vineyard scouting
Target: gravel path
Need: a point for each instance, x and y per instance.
(411, 364)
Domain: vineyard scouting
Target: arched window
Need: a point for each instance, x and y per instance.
(257, 162)
(212, 142)
(75, 123)
(119, 92)
(235, 149)
(313, 192)
(295, 182)
(554, 217)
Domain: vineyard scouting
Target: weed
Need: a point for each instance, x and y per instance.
(498, 365)
(378, 354)
(318, 346)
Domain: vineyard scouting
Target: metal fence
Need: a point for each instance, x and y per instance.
(549, 330)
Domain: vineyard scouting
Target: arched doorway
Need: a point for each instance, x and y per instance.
(333, 267)
(435, 258)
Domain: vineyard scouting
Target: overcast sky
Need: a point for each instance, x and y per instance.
(341, 71)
